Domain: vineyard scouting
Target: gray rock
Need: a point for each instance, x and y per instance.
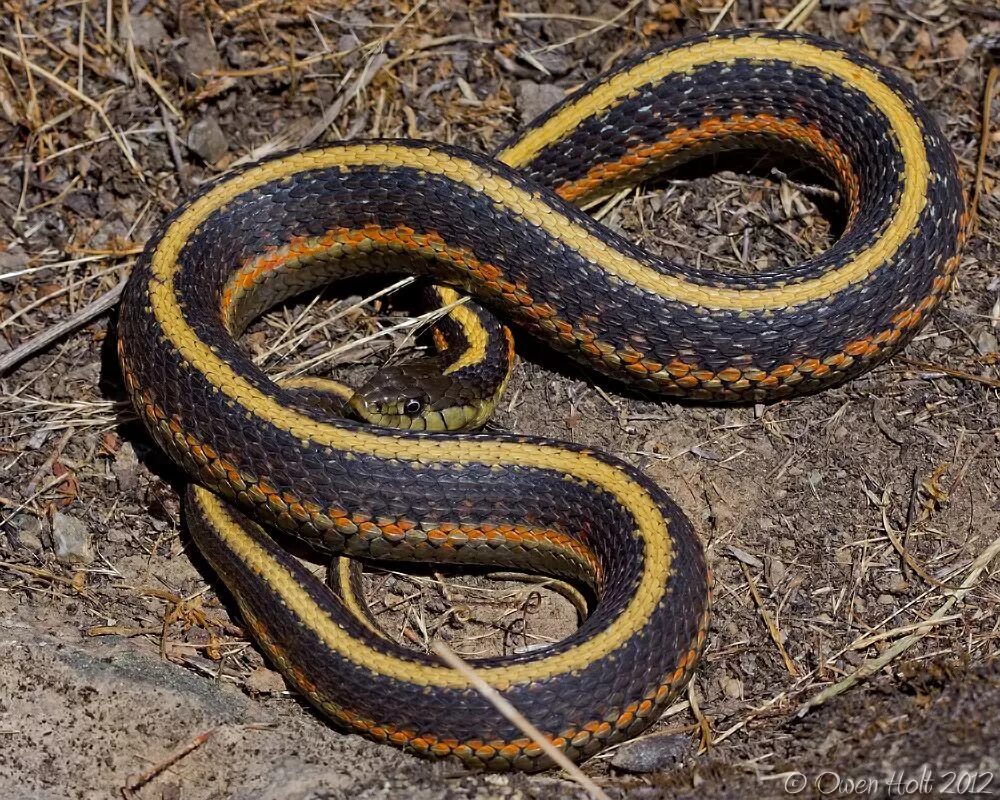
(199, 54)
(28, 528)
(986, 342)
(207, 140)
(652, 753)
(774, 570)
(71, 540)
(147, 31)
(532, 99)
(83, 715)
(125, 467)
(13, 258)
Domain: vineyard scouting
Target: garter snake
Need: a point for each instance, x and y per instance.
(507, 231)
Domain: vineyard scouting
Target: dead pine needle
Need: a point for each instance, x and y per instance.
(984, 133)
(189, 746)
(772, 626)
(180, 752)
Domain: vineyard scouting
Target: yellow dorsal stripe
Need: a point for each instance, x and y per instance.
(476, 336)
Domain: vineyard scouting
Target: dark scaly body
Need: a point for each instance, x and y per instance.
(501, 229)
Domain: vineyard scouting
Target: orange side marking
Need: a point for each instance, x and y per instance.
(643, 155)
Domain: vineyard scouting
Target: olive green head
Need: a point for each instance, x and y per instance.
(418, 396)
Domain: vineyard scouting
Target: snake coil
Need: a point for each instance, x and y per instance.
(507, 230)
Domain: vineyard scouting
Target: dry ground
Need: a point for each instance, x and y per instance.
(836, 525)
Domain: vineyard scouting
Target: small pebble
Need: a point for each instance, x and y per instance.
(28, 528)
(13, 258)
(774, 570)
(199, 54)
(266, 681)
(71, 540)
(986, 343)
(745, 557)
(732, 688)
(147, 31)
(652, 753)
(125, 467)
(207, 140)
(532, 99)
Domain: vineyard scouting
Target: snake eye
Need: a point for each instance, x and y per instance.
(412, 407)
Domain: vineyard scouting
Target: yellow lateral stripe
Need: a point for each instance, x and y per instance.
(308, 613)
(913, 197)
(476, 336)
(351, 602)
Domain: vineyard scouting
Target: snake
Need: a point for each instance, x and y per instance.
(269, 462)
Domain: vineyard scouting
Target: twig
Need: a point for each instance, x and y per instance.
(49, 335)
(904, 553)
(953, 373)
(793, 19)
(984, 138)
(704, 726)
(510, 713)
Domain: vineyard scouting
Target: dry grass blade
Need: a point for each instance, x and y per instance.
(772, 626)
(291, 338)
(596, 29)
(516, 718)
(869, 668)
(81, 97)
(984, 132)
(409, 324)
(722, 15)
(290, 138)
(794, 19)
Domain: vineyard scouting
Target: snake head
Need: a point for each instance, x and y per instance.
(416, 396)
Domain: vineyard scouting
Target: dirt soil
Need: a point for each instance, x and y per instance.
(838, 526)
